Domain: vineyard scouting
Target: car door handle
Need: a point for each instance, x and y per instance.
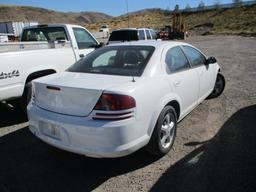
(81, 55)
(176, 83)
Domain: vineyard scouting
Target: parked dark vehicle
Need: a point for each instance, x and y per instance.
(131, 34)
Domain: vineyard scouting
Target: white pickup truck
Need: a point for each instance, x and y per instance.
(43, 50)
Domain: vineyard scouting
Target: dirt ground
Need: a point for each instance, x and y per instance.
(215, 148)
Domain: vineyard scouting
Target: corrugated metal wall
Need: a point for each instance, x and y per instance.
(14, 28)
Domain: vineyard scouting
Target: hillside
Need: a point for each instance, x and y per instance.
(237, 21)
(24, 13)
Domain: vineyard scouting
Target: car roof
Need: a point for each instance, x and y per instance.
(126, 29)
(154, 43)
(130, 29)
(52, 25)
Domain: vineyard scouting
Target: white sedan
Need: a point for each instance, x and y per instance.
(123, 97)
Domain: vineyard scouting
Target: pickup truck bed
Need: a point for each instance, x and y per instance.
(42, 60)
(25, 46)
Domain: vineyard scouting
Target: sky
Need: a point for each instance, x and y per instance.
(110, 7)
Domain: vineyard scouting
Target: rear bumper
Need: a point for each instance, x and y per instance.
(85, 136)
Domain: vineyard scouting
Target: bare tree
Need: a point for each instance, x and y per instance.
(167, 10)
(201, 5)
(217, 4)
(176, 8)
(187, 8)
(237, 2)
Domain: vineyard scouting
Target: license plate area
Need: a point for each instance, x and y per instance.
(50, 130)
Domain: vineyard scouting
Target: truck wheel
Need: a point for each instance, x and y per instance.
(164, 133)
(15, 102)
(26, 96)
(218, 87)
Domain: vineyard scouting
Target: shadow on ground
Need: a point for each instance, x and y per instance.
(10, 115)
(225, 163)
(27, 164)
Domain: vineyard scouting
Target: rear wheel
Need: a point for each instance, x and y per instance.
(218, 87)
(164, 133)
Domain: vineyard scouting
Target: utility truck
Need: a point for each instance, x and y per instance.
(176, 31)
(42, 50)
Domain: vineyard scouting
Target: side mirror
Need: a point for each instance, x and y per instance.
(210, 60)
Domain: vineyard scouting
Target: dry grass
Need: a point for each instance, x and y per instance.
(226, 21)
(239, 20)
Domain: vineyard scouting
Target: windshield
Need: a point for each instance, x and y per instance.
(44, 34)
(124, 35)
(115, 60)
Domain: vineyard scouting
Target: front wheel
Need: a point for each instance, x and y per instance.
(218, 87)
(164, 133)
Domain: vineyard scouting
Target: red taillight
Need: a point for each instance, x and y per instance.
(114, 102)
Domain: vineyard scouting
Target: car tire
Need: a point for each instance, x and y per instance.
(218, 87)
(164, 132)
(26, 97)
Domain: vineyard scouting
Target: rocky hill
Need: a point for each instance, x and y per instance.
(24, 13)
(239, 20)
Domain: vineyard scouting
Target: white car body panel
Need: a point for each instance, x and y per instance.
(87, 87)
(43, 60)
(187, 88)
(152, 91)
(118, 138)
(207, 77)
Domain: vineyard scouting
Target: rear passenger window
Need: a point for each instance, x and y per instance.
(176, 60)
(141, 35)
(148, 34)
(106, 59)
(44, 34)
(194, 55)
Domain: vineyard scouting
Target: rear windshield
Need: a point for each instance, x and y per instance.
(115, 60)
(125, 35)
(44, 34)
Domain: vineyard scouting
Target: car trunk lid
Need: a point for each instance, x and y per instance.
(73, 93)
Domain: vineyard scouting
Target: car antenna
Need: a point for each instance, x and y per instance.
(129, 34)
(127, 10)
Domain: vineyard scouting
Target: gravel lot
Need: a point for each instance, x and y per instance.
(215, 148)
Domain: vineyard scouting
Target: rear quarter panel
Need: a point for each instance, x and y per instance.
(151, 95)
